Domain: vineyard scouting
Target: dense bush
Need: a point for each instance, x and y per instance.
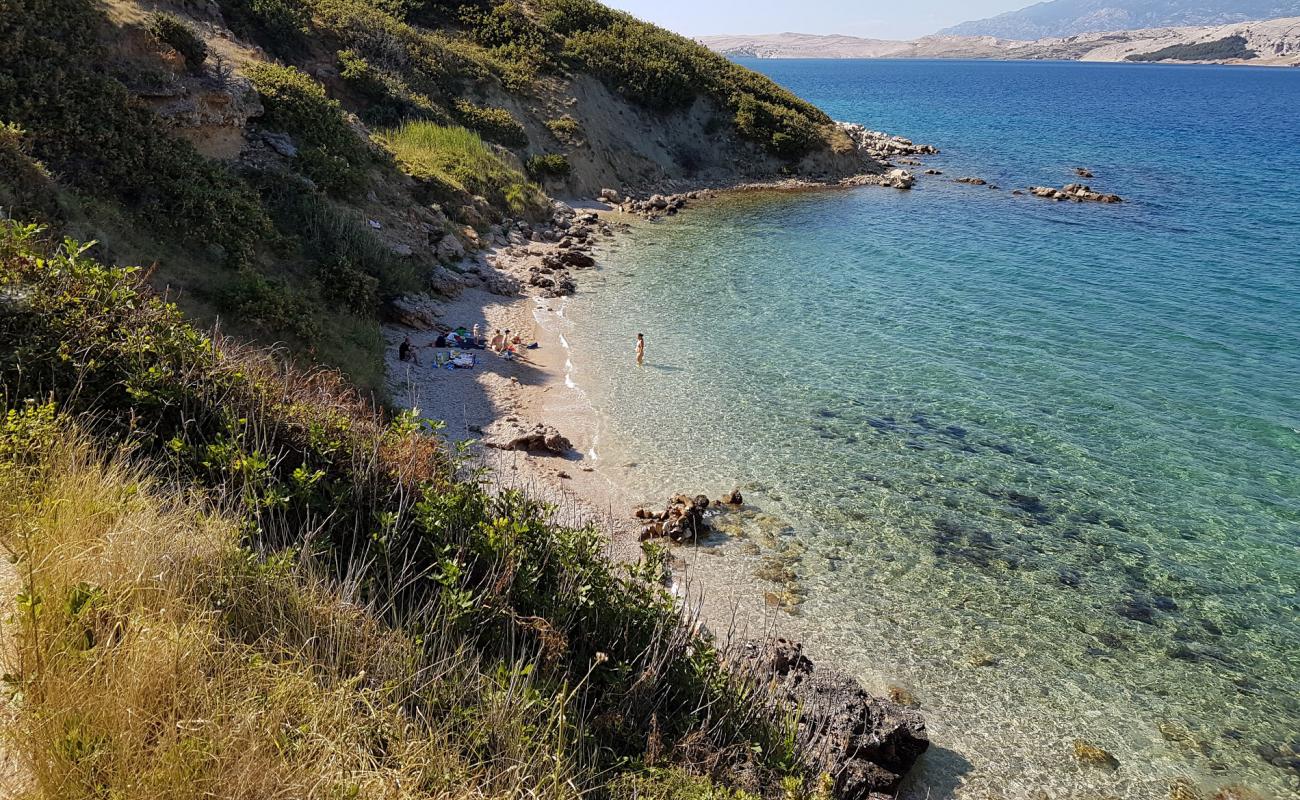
(550, 165)
(330, 152)
(429, 62)
(176, 33)
(27, 191)
(493, 124)
(268, 304)
(86, 128)
(278, 25)
(508, 32)
(664, 72)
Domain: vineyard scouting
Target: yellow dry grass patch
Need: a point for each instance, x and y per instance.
(151, 657)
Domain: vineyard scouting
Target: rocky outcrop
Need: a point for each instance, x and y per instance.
(1074, 192)
(882, 146)
(542, 438)
(416, 311)
(212, 113)
(972, 181)
(866, 744)
(899, 179)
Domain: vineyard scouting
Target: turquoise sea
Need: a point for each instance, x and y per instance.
(1038, 463)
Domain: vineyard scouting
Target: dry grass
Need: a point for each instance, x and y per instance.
(151, 657)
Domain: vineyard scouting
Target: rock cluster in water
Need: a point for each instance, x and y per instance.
(866, 744)
(1075, 192)
(655, 206)
(683, 520)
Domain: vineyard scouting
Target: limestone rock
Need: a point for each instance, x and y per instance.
(1074, 192)
(899, 179)
(542, 438)
(973, 181)
(417, 311)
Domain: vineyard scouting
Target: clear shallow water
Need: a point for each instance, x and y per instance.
(1039, 463)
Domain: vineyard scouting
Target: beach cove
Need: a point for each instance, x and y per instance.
(1022, 462)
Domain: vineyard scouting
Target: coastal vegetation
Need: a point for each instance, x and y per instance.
(1225, 48)
(231, 574)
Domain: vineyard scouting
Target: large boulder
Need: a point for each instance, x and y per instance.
(577, 259)
(866, 744)
(542, 438)
(899, 179)
(414, 311)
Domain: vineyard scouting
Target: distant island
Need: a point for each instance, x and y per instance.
(1059, 18)
(1274, 42)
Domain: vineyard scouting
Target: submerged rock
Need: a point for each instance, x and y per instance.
(1093, 756)
(1074, 192)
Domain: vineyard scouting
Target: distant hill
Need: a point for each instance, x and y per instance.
(1273, 42)
(1070, 17)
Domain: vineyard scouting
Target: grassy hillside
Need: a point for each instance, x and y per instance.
(238, 580)
(244, 147)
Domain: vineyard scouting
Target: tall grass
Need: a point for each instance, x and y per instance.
(155, 658)
(458, 160)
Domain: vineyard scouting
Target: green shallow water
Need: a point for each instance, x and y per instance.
(1038, 463)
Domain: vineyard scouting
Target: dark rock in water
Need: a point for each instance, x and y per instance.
(955, 431)
(1087, 517)
(865, 743)
(1164, 603)
(1117, 524)
(883, 424)
(1005, 449)
(1138, 610)
(922, 421)
(1069, 577)
(1183, 653)
(1109, 639)
(733, 498)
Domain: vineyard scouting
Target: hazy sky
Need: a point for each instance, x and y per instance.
(870, 18)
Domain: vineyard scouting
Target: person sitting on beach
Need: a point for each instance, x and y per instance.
(441, 341)
(497, 341)
(517, 341)
(406, 351)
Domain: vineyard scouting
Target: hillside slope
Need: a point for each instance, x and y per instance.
(1268, 43)
(291, 165)
(1059, 18)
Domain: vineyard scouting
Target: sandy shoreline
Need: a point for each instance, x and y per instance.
(501, 397)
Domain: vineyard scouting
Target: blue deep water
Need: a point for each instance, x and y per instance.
(1037, 462)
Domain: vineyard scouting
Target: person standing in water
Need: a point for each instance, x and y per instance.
(640, 349)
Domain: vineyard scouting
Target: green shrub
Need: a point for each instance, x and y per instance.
(278, 25)
(566, 129)
(429, 62)
(270, 305)
(781, 130)
(388, 99)
(176, 33)
(665, 72)
(330, 152)
(458, 164)
(514, 37)
(550, 165)
(27, 191)
(493, 124)
(87, 129)
(346, 286)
